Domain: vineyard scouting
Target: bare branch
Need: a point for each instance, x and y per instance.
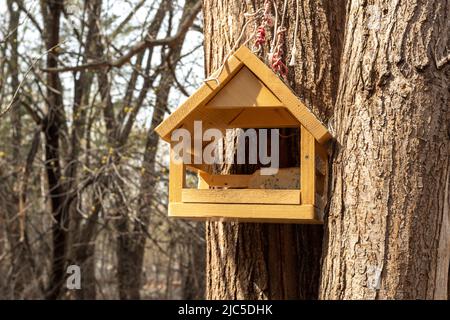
(9, 106)
(137, 48)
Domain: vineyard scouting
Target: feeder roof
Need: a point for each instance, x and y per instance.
(247, 94)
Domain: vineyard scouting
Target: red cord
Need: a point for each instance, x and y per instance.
(261, 31)
(278, 65)
(260, 37)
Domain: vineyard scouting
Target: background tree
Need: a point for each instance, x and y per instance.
(82, 83)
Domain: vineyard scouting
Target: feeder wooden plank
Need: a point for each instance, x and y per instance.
(177, 178)
(243, 91)
(320, 183)
(231, 181)
(198, 168)
(241, 196)
(264, 118)
(307, 166)
(272, 213)
(286, 178)
(202, 183)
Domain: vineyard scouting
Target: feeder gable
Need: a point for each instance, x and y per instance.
(244, 90)
(244, 82)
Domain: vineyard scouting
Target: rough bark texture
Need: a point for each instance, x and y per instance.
(268, 261)
(388, 231)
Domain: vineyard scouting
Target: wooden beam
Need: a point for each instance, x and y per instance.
(202, 183)
(264, 118)
(177, 178)
(286, 178)
(198, 168)
(230, 181)
(307, 166)
(241, 196)
(272, 213)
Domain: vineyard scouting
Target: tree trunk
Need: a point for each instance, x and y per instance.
(21, 267)
(388, 227)
(53, 127)
(274, 261)
(387, 234)
(83, 230)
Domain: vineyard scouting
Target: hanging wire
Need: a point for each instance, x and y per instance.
(294, 45)
(253, 16)
(274, 38)
(215, 74)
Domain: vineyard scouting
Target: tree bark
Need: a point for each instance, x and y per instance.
(53, 127)
(83, 230)
(274, 261)
(20, 251)
(388, 227)
(385, 89)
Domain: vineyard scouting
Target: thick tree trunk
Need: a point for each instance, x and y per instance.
(388, 228)
(388, 233)
(267, 261)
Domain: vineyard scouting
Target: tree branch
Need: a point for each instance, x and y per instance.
(138, 47)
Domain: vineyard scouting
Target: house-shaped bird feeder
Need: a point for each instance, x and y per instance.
(247, 94)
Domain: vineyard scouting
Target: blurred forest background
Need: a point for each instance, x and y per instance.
(82, 181)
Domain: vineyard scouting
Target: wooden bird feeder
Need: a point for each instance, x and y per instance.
(249, 95)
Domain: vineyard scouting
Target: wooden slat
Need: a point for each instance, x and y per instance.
(290, 101)
(230, 181)
(241, 196)
(198, 168)
(202, 183)
(177, 178)
(307, 214)
(307, 166)
(264, 118)
(286, 178)
(199, 98)
(243, 91)
(211, 118)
